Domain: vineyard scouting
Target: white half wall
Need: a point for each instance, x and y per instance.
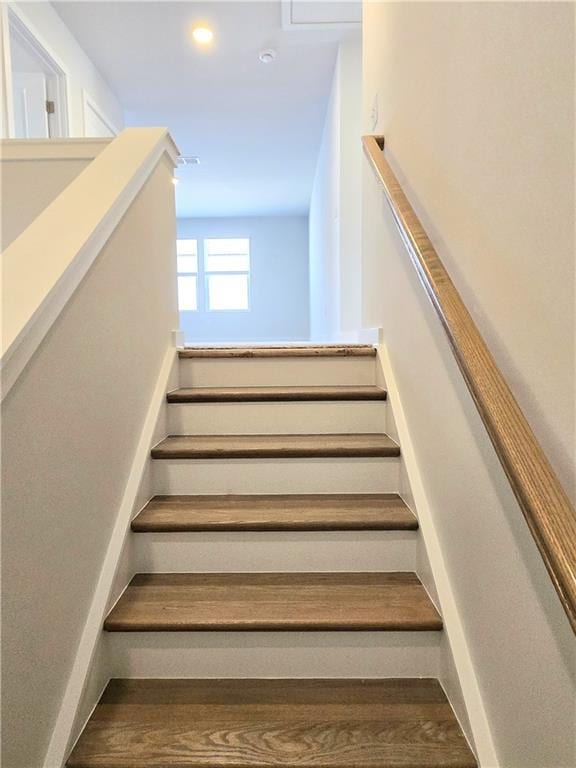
(278, 281)
(84, 81)
(335, 207)
(70, 427)
(33, 173)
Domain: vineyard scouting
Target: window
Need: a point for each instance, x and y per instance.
(227, 267)
(187, 264)
(216, 277)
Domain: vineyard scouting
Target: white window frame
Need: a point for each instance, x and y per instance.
(207, 274)
(196, 274)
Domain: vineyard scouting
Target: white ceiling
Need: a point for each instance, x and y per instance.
(256, 127)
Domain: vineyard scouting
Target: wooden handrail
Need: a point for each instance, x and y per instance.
(545, 505)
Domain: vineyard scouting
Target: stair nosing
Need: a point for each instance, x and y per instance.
(246, 352)
(255, 519)
(164, 449)
(163, 622)
(276, 394)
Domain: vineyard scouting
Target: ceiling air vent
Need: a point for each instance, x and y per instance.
(188, 160)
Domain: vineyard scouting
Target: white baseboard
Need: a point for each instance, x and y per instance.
(178, 339)
(63, 729)
(456, 637)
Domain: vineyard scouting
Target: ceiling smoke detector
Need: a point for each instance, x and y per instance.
(267, 55)
(188, 160)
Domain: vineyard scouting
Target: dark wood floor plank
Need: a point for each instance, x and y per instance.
(274, 394)
(322, 350)
(173, 602)
(311, 512)
(394, 723)
(274, 446)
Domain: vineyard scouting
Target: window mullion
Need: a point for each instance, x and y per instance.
(202, 286)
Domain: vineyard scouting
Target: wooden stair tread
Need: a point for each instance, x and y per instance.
(274, 394)
(392, 723)
(273, 602)
(274, 446)
(311, 512)
(320, 350)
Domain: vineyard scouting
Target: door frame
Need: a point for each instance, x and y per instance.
(15, 24)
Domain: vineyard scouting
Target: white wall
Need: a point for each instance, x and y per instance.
(476, 103)
(350, 82)
(70, 426)
(324, 228)
(278, 281)
(335, 206)
(82, 76)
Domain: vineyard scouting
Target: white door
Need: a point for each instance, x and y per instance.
(39, 100)
(30, 96)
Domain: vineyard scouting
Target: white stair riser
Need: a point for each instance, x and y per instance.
(276, 551)
(274, 654)
(207, 372)
(330, 475)
(276, 418)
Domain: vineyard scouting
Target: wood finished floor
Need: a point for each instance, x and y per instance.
(306, 350)
(274, 394)
(305, 512)
(245, 723)
(394, 723)
(275, 446)
(273, 602)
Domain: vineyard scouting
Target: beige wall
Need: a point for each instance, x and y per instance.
(28, 186)
(69, 431)
(476, 103)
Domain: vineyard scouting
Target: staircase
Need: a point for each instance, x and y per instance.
(276, 618)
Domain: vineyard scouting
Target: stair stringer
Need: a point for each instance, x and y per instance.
(91, 669)
(456, 672)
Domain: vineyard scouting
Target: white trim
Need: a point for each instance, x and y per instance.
(17, 20)
(62, 733)
(7, 113)
(60, 254)
(90, 103)
(178, 338)
(479, 723)
(289, 25)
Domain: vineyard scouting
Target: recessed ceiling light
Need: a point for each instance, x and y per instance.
(202, 35)
(267, 55)
(175, 181)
